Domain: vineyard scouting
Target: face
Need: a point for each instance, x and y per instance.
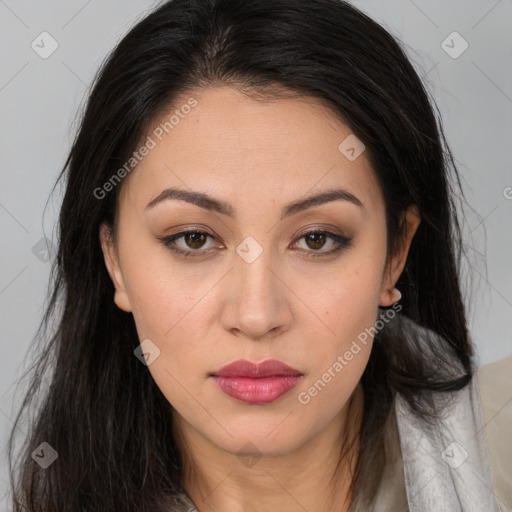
(245, 275)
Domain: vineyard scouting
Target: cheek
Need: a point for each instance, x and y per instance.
(160, 306)
(162, 294)
(346, 304)
(169, 314)
(170, 308)
(339, 357)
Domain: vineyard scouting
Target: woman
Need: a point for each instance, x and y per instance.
(259, 273)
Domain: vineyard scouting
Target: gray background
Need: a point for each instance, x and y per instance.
(39, 100)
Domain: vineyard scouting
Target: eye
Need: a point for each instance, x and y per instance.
(317, 239)
(193, 242)
(193, 239)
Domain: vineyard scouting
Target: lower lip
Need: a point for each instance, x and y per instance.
(257, 391)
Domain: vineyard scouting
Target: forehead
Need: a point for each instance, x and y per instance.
(236, 146)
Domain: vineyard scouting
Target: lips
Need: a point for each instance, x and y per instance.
(267, 368)
(256, 383)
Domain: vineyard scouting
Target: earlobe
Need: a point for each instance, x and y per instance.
(112, 263)
(412, 219)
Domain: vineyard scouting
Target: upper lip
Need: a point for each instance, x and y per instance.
(245, 368)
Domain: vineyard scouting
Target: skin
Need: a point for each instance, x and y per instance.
(207, 311)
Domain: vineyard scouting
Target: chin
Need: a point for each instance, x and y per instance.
(268, 438)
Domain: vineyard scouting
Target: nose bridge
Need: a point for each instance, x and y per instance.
(258, 294)
(253, 268)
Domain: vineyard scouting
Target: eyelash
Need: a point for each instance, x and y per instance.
(342, 243)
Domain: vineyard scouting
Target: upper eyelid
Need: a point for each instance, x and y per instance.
(204, 232)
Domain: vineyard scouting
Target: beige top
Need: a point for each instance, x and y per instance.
(495, 384)
(463, 466)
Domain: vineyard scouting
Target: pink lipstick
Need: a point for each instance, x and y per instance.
(256, 383)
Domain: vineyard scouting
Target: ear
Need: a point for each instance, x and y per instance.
(112, 263)
(412, 219)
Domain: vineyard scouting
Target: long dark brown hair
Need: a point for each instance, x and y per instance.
(92, 400)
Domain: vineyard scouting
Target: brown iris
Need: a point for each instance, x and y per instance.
(195, 240)
(317, 239)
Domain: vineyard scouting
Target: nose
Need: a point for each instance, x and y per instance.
(258, 306)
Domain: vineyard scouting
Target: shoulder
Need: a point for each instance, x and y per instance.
(494, 383)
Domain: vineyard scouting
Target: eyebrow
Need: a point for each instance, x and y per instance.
(210, 203)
